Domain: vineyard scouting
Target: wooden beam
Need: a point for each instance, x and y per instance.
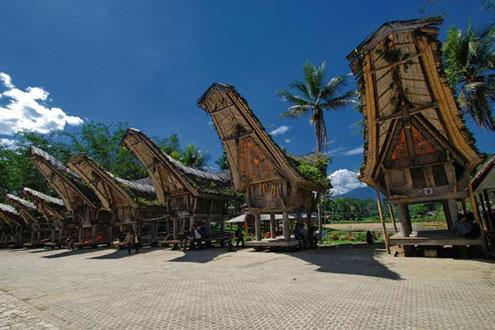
(411, 112)
(382, 220)
(392, 217)
(388, 66)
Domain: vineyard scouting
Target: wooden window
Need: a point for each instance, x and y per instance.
(418, 177)
(439, 175)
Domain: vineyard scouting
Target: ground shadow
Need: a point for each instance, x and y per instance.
(356, 260)
(202, 255)
(123, 253)
(68, 253)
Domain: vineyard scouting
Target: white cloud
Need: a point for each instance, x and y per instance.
(287, 140)
(279, 130)
(27, 110)
(355, 151)
(343, 181)
(7, 81)
(8, 143)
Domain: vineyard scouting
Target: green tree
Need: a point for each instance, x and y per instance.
(313, 95)
(469, 60)
(193, 157)
(222, 162)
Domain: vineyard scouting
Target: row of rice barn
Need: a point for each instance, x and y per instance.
(94, 206)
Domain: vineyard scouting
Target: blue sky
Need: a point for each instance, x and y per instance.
(147, 62)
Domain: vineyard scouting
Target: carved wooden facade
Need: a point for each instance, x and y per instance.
(190, 195)
(123, 198)
(260, 169)
(94, 225)
(417, 148)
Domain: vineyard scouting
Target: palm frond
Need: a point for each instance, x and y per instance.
(301, 87)
(291, 98)
(295, 111)
(345, 99)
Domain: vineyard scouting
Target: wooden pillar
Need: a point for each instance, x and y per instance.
(192, 221)
(405, 220)
(392, 217)
(476, 210)
(448, 218)
(464, 208)
(81, 234)
(489, 208)
(93, 233)
(110, 233)
(175, 228)
(273, 230)
(286, 230)
(257, 226)
(382, 220)
(453, 210)
(485, 212)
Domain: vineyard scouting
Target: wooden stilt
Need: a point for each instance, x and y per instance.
(273, 230)
(285, 221)
(382, 220)
(476, 210)
(405, 221)
(257, 226)
(489, 209)
(392, 217)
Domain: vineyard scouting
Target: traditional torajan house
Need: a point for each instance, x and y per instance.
(269, 178)
(417, 148)
(34, 222)
(12, 226)
(132, 203)
(190, 195)
(93, 225)
(53, 209)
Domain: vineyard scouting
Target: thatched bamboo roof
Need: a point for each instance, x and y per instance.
(9, 209)
(52, 208)
(234, 120)
(27, 210)
(399, 73)
(9, 215)
(44, 197)
(111, 190)
(168, 175)
(21, 201)
(68, 185)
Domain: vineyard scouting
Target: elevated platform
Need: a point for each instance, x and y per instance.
(434, 237)
(273, 243)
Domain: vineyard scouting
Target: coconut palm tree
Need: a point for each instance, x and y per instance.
(314, 96)
(469, 59)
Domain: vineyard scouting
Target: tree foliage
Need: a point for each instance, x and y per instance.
(99, 141)
(314, 95)
(469, 60)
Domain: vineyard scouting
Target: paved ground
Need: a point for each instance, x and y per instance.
(345, 288)
(378, 227)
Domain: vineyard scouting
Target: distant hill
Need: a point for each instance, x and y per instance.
(359, 193)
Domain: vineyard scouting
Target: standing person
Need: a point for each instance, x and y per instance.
(239, 235)
(369, 238)
(129, 241)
